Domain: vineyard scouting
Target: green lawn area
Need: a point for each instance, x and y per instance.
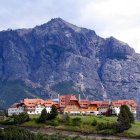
(32, 116)
(89, 119)
(135, 129)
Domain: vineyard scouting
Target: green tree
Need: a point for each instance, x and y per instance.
(130, 114)
(21, 118)
(124, 120)
(44, 116)
(53, 112)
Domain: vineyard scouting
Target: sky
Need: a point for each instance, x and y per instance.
(117, 18)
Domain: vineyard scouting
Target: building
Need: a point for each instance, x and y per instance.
(31, 106)
(16, 109)
(84, 103)
(103, 107)
(116, 104)
(69, 104)
(93, 108)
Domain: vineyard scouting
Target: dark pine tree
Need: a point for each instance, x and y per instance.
(53, 112)
(130, 114)
(44, 116)
(123, 121)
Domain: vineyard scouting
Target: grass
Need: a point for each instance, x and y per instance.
(89, 119)
(85, 125)
(134, 130)
(34, 116)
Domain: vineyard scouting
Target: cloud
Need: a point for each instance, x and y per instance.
(118, 18)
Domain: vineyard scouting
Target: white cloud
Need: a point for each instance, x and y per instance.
(118, 18)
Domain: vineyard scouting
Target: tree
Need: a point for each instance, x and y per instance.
(44, 116)
(108, 112)
(21, 118)
(53, 112)
(130, 114)
(124, 119)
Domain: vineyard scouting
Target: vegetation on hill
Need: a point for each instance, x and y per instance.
(85, 124)
(20, 90)
(16, 133)
(64, 87)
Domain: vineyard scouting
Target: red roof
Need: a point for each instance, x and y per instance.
(15, 105)
(119, 103)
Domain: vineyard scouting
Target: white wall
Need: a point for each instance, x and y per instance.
(18, 110)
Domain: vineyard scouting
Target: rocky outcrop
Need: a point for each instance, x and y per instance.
(61, 57)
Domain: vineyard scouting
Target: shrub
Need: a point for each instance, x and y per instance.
(53, 122)
(15, 133)
(21, 118)
(101, 126)
(94, 123)
(76, 121)
(65, 118)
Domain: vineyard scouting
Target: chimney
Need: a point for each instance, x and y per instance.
(79, 97)
(109, 102)
(58, 97)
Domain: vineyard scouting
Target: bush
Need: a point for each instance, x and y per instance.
(21, 118)
(9, 121)
(65, 118)
(15, 133)
(76, 121)
(94, 123)
(101, 126)
(53, 122)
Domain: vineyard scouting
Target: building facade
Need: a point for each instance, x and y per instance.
(71, 105)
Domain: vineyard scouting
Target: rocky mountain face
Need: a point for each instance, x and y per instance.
(58, 57)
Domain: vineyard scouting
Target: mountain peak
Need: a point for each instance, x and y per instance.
(60, 23)
(56, 20)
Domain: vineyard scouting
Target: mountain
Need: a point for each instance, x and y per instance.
(58, 57)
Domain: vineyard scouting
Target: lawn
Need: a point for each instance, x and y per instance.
(32, 116)
(84, 126)
(135, 129)
(89, 119)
